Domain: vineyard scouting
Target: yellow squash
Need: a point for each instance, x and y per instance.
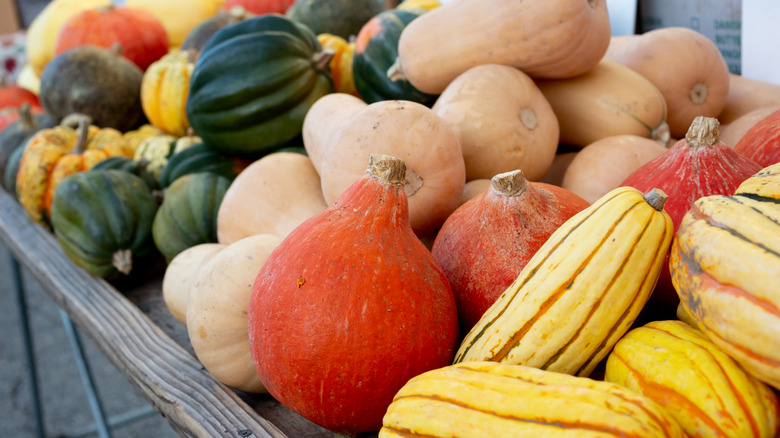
(488, 399)
(702, 387)
(164, 91)
(581, 291)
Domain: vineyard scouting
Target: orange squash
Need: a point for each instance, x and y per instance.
(746, 95)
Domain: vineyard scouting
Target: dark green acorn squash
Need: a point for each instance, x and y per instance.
(376, 50)
(254, 82)
(12, 169)
(103, 222)
(200, 158)
(188, 214)
(338, 17)
(127, 164)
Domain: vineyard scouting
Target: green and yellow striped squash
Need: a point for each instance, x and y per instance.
(582, 289)
(489, 399)
(702, 387)
(725, 265)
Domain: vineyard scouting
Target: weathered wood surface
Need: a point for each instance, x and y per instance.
(131, 326)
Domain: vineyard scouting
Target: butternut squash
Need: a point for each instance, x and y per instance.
(686, 66)
(558, 168)
(746, 95)
(322, 120)
(179, 277)
(473, 188)
(545, 39)
(610, 99)
(502, 121)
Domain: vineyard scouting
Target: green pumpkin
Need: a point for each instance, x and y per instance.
(188, 214)
(103, 222)
(254, 83)
(376, 51)
(338, 17)
(199, 158)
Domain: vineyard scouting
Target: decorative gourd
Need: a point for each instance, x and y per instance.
(178, 17)
(582, 289)
(188, 213)
(698, 165)
(724, 262)
(259, 7)
(41, 36)
(12, 95)
(716, 397)
(135, 137)
(746, 95)
(156, 150)
(200, 34)
(103, 222)
(254, 83)
(217, 311)
(731, 133)
(341, 62)
(486, 242)
(382, 309)
(94, 81)
(343, 18)
(488, 399)
(273, 195)
(164, 90)
(604, 164)
(610, 99)
(502, 121)
(761, 143)
(180, 276)
(200, 158)
(693, 76)
(322, 121)
(557, 39)
(140, 34)
(376, 49)
(53, 154)
(435, 172)
(17, 133)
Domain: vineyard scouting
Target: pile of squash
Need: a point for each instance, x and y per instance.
(422, 219)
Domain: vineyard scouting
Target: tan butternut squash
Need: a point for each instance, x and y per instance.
(610, 99)
(502, 121)
(604, 164)
(732, 132)
(549, 39)
(322, 120)
(746, 95)
(558, 168)
(273, 195)
(435, 170)
(686, 66)
(473, 188)
(179, 277)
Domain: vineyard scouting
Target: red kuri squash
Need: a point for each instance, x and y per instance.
(762, 142)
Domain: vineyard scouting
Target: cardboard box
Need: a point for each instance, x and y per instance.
(9, 17)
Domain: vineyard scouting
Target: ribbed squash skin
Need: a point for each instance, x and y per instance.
(376, 49)
(488, 399)
(188, 214)
(199, 158)
(254, 83)
(705, 390)
(127, 164)
(580, 292)
(725, 266)
(164, 90)
(339, 17)
(762, 142)
(103, 220)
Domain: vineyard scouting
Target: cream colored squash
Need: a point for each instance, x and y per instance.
(273, 195)
(179, 277)
(217, 314)
(473, 188)
(502, 121)
(732, 132)
(322, 120)
(604, 164)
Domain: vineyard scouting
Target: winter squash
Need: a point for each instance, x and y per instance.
(53, 154)
(376, 49)
(199, 158)
(502, 120)
(140, 34)
(582, 289)
(178, 17)
(717, 397)
(94, 81)
(604, 164)
(158, 149)
(180, 276)
(435, 171)
(731, 133)
(164, 90)
(102, 220)
(259, 7)
(44, 29)
(341, 62)
(698, 165)
(761, 142)
(273, 195)
(558, 39)
(746, 95)
(135, 137)
(217, 311)
(472, 189)
(486, 242)
(693, 76)
(200, 34)
(482, 399)
(382, 309)
(254, 83)
(322, 121)
(725, 267)
(128, 164)
(610, 99)
(12, 95)
(16, 134)
(339, 17)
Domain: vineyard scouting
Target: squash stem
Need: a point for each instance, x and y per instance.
(704, 131)
(122, 260)
(81, 123)
(656, 198)
(322, 58)
(388, 170)
(395, 72)
(509, 184)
